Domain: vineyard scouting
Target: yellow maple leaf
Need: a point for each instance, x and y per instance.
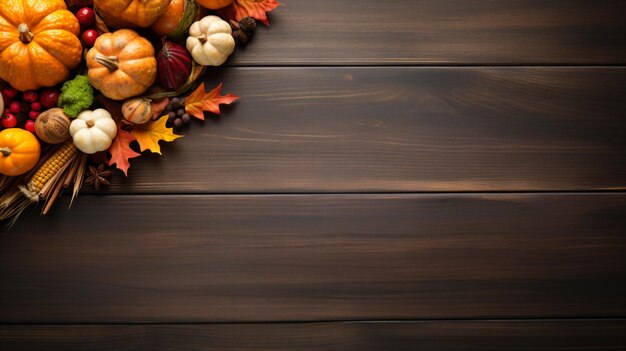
(148, 135)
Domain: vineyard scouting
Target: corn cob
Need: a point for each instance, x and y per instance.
(57, 162)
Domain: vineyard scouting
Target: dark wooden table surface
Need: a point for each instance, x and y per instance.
(399, 175)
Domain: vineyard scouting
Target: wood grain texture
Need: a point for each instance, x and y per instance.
(371, 336)
(441, 32)
(401, 130)
(322, 124)
(317, 257)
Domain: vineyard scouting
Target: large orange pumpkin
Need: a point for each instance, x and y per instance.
(38, 43)
(214, 4)
(130, 13)
(19, 151)
(121, 64)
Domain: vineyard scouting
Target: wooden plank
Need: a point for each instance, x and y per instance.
(440, 32)
(401, 129)
(317, 257)
(399, 336)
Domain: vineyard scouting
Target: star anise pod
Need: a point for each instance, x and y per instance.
(98, 176)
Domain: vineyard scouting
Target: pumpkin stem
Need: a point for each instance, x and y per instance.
(110, 62)
(90, 123)
(5, 151)
(26, 36)
(202, 38)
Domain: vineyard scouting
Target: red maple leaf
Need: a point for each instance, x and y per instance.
(253, 8)
(120, 150)
(200, 101)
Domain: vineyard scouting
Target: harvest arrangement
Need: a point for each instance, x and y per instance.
(88, 85)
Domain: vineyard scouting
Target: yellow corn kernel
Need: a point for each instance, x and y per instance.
(44, 173)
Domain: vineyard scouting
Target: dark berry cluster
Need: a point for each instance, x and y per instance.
(176, 115)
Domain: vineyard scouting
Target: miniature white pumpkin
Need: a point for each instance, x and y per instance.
(210, 41)
(93, 131)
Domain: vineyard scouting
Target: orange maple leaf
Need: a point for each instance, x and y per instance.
(120, 150)
(148, 135)
(200, 101)
(158, 106)
(254, 8)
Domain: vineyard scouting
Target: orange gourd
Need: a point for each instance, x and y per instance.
(130, 13)
(214, 4)
(137, 110)
(19, 151)
(38, 43)
(121, 64)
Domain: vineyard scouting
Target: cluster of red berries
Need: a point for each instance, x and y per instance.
(24, 108)
(87, 19)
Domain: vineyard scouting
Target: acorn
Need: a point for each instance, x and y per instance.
(53, 126)
(243, 30)
(247, 24)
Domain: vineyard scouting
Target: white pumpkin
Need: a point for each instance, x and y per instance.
(93, 131)
(210, 41)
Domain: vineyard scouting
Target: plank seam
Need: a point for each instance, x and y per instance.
(337, 321)
(357, 193)
(429, 65)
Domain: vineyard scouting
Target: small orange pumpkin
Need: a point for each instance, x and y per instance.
(19, 151)
(130, 13)
(121, 64)
(176, 19)
(214, 4)
(38, 43)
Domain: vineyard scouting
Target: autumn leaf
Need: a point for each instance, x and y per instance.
(158, 106)
(253, 8)
(200, 101)
(120, 150)
(148, 135)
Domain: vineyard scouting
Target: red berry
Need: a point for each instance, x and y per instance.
(30, 96)
(49, 97)
(15, 107)
(9, 92)
(35, 106)
(86, 17)
(33, 114)
(30, 126)
(9, 120)
(89, 37)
